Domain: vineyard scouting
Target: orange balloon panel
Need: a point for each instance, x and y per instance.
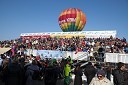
(72, 19)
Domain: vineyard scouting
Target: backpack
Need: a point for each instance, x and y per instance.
(36, 75)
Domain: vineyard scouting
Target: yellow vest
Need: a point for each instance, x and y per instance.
(67, 70)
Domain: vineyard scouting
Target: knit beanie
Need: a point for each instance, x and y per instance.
(101, 72)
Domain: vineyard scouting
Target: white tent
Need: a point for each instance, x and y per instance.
(4, 50)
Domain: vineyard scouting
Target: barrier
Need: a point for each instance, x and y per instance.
(31, 51)
(123, 58)
(109, 57)
(116, 57)
(51, 54)
(57, 54)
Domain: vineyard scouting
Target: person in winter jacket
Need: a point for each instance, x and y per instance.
(100, 79)
(67, 74)
(119, 74)
(78, 75)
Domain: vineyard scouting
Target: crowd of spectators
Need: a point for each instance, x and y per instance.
(17, 62)
(110, 45)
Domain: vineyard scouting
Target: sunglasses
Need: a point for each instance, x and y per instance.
(99, 76)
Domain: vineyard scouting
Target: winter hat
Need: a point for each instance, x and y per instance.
(101, 72)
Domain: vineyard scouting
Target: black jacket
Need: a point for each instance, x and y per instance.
(118, 77)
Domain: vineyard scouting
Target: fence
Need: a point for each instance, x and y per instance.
(109, 57)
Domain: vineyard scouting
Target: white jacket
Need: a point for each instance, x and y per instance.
(96, 81)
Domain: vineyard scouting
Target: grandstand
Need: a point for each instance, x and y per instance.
(102, 47)
(81, 45)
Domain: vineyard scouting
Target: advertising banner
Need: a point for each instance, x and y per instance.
(123, 58)
(111, 57)
(31, 52)
(51, 54)
(116, 57)
(57, 54)
(81, 34)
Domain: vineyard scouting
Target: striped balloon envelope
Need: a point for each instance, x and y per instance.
(72, 19)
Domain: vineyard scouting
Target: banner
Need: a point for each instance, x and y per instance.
(116, 57)
(111, 57)
(87, 34)
(51, 54)
(123, 58)
(31, 52)
(57, 54)
(78, 55)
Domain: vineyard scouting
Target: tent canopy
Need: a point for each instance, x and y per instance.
(4, 50)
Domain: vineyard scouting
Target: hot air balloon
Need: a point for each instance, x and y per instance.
(72, 19)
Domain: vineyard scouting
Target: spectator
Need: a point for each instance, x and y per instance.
(30, 71)
(4, 68)
(50, 75)
(109, 72)
(126, 77)
(78, 75)
(100, 79)
(13, 74)
(89, 72)
(101, 52)
(118, 74)
(67, 73)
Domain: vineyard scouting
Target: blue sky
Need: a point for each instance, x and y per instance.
(23, 16)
